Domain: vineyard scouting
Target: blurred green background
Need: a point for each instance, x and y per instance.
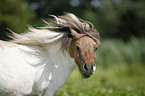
(121, 56)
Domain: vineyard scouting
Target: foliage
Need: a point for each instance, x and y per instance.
(118, 53)
(113, 18)
(14, 14)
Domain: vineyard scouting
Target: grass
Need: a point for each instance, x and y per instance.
(104, 83)
(120, 72)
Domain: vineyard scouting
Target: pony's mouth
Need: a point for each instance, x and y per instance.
(85, 75)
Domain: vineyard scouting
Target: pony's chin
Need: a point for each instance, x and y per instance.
(86, 75)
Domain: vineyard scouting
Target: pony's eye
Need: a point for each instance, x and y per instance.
(96, 48)
(77, 47)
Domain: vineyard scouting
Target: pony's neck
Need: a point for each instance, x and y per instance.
(57, 67)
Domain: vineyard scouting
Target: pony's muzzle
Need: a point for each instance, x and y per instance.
(88, 69)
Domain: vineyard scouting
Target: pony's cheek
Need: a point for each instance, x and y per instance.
(77, 59)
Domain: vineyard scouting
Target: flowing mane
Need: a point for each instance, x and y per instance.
(58, 28)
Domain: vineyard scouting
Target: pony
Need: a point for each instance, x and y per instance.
(38, 62)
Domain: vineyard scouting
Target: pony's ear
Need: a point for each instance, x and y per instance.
(75, 34)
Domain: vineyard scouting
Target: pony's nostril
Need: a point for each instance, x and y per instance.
(85, 67)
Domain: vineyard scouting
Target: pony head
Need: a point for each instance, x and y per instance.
(83, 50)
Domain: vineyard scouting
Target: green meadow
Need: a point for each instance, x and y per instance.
(120, 71)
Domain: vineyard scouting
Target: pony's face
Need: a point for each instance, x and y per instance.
(84, 53)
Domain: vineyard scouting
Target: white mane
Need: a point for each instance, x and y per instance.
(45, 35)
(36, 37)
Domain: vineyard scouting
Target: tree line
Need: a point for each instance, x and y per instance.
(112, 18)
